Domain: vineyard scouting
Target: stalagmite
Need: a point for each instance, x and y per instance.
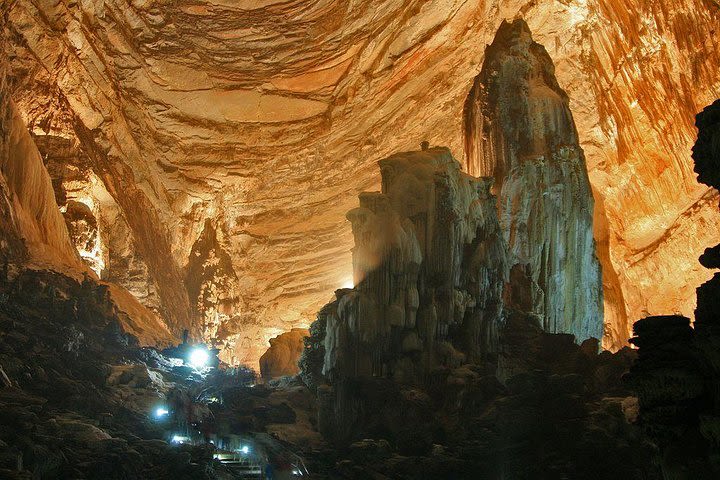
(429, 269)
(519, 130)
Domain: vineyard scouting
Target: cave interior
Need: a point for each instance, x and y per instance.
(392, 239)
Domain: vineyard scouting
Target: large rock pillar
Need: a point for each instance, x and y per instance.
(519, 130)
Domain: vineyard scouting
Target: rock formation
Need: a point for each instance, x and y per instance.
(677, 373)
(211, 283)
(435, 356)
(268, 117)
(520, 131)
(281, 359)
(429, 270)
(35, 212)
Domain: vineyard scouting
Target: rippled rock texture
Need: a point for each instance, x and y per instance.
(267, 118)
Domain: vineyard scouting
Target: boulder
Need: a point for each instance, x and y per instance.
(281, 359)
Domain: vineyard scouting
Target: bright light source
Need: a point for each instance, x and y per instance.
(179, 439)
(199, 357)
(245, 449)
(161, 412)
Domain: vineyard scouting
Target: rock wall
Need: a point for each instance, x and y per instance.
(34, 238)
(269, 117)
(43, 241)
(520, 131)
(677, 373)
(100, 232)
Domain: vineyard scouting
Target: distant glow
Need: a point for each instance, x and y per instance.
(348, 284)
(161, 412)
(179, 439)
(245, 449)
(199, 357)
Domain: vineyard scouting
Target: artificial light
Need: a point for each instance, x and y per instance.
(199, 357)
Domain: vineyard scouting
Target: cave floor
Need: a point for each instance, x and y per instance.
(80, 399)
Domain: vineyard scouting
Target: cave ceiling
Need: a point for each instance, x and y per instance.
(242, 131)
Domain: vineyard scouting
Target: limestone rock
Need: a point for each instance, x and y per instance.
(281, 359)
(429, 270)
(519, 130)
(268, 117)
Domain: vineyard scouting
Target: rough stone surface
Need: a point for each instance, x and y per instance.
(429, 271)
(281, 359)
(267, 118)
(520, 131)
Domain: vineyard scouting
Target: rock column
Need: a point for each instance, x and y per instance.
(520, 131)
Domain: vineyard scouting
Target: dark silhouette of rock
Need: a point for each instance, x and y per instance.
(706, 151)
(677, 373)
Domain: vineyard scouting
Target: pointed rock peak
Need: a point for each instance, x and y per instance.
(519, 129)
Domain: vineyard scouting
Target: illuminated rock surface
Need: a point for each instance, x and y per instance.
(520, 131)
(282, 357)
(35, 235)
(267, 119)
